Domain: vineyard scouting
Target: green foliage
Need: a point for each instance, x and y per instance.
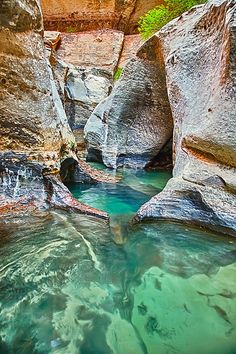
(71, 29)
(156, 18)
(71, 145)
(118, 73)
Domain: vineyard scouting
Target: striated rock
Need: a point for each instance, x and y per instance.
(135, 122)
(34, 130)
(199, 50)
(80, 172)
(32, 118)
(95, 49)
(85, 15)
(27, 187)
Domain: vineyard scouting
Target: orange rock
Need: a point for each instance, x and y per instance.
(85, 15)
(95, 49)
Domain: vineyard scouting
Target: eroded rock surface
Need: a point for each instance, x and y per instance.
(83, 66)
(133, 124)
(31, 114)
(84, 15)
(199, 51)
(33, 125)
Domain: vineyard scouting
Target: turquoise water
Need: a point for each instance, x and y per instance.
(72, 284)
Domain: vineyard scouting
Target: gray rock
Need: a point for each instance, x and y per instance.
(84, 89)
(135, 122)
(199, 49)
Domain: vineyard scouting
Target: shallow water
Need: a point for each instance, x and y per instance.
(72, 284)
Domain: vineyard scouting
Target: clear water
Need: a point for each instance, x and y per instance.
(72, 284)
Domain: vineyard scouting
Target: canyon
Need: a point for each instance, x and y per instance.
(117, 179)
(169, 95)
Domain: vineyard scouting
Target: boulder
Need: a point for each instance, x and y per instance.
(27, 187)
(199, 52)
(135, 122)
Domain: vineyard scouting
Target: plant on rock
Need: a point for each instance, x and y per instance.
(118, 73)
(156, 18)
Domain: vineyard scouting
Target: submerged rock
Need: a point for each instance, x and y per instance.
(199, 50)
(27, 187)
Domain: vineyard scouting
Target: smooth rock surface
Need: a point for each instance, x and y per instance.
(32, 118)
(135, 122)
(29, 187)
(199, 50)
(34, 130)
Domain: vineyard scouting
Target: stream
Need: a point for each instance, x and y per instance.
(71, 284)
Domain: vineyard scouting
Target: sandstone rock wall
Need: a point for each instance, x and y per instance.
(135, 122)
(86, 15)
(32, 118)
(34, 131)
(199, 51)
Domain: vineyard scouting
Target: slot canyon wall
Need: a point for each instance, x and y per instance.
(200, 61)
(87, 15)
(34, 131)
(185, 72)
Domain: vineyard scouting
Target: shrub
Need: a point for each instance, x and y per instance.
(118, 73)
(71, 29)
(156, 18)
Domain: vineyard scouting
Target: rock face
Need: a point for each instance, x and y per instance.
(85, 15)
(94, 49)
(199, 50)
(83, 67)
(34, 130)
(133, 124)
(31, 114)
(130, 45)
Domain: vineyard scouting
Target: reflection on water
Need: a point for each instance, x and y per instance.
(71, 284)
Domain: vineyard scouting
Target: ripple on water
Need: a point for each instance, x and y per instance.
(69, 284)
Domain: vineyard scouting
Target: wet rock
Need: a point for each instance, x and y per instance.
(27, 187)
(201, 83)
(133, 124)
(33, 125)
(79, 171)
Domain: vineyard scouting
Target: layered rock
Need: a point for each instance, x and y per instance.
(85, 15)
(199, 51)
(83, 67)
(133, 124)
(33, 124)
(31, 114)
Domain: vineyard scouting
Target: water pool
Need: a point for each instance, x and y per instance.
(72, 284)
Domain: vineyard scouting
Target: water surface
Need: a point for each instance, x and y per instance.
(72, 284)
